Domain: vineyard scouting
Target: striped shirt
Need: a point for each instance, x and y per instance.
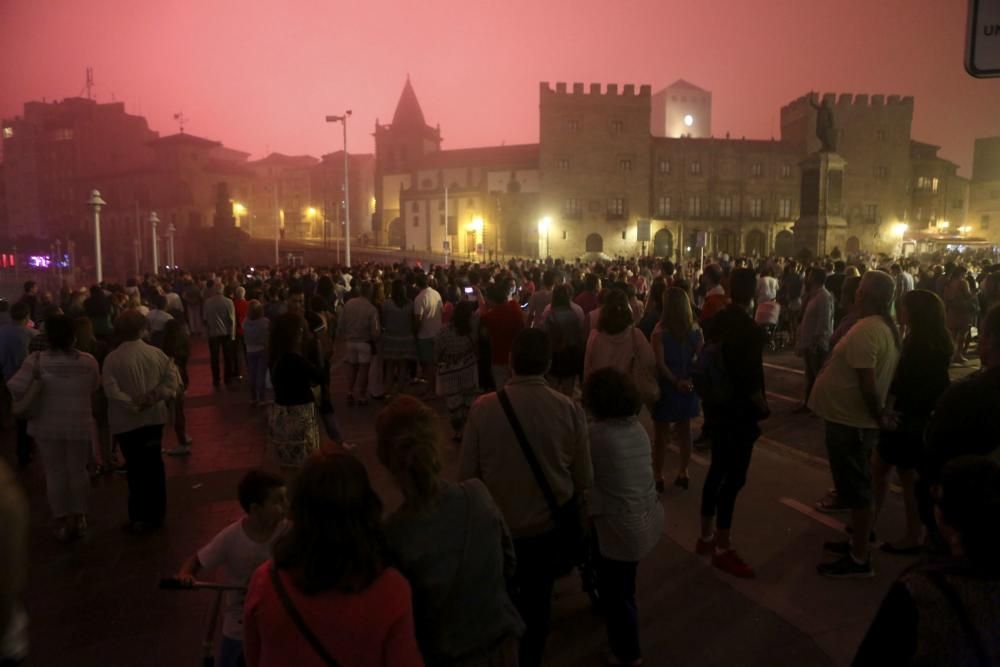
(68, 385)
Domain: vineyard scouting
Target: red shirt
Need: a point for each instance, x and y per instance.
(241, 306)
(366, 629)
(502, 324)
(586, 300)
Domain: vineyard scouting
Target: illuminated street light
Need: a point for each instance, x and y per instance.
(899, 229)
(964, 229)
(96, 203)
(688, 120)
(543, 229)
(311, 212)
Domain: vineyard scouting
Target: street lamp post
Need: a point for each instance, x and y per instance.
(347, 198)
(171, 230)
(96, 203)
(153, 220)
(59, 261)
(543, 229)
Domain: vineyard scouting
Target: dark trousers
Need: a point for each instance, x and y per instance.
(731, 452)
(223, 345)
(621, 614)
(24, 442)
(814, 358)
(147, 484)
(532, 595)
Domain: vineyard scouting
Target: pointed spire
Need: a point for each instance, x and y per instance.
(408, 111)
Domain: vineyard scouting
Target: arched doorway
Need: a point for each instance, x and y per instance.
(663, 244)
(397, 233)
(595, 243)
(754, 245)
(725, 241)
(784, 244)
(853, 245)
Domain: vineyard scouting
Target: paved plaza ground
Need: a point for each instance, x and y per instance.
(96, 602)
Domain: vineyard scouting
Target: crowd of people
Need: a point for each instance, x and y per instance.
(543, 369)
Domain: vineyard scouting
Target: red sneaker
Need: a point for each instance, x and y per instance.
(703, 548)
(730, 561)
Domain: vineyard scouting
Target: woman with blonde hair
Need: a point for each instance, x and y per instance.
(676, 343)
(451, 543)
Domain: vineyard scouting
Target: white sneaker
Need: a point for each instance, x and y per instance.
(179, 450)
(187, 440)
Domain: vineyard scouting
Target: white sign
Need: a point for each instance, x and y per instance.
(982, 49)
(701, 240)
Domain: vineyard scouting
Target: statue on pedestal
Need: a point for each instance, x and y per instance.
(825, 130)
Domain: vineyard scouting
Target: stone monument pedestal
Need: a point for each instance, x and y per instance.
(821, 227)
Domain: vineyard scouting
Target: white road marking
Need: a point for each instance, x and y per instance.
(787, 369)
(783, 397)
(824, 519)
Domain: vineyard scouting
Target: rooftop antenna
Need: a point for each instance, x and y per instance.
(181, 119)
(89, 84)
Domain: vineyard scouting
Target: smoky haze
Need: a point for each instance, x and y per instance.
(262, 76)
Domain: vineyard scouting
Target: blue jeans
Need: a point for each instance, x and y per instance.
(230, 653)
(256, 374)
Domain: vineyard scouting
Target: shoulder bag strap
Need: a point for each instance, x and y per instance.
(297, 619)
(529, 454)
(961, 614)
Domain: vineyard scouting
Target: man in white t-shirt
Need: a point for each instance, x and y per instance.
(240, 548)
(850, 395)
(427, 309)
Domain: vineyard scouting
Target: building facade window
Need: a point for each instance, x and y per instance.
(664, 166)
(879, 135)
(616, 207)
(625, 165)
(785, 209)
(871, 212)
(663, 207)
(416, 221)
(958, 203)
(441, 220)
(984, 222)
(8, 132)
(927, 184)
(880, 172)
(756, 207)
(695, 167)
(617, 127)
(694, 206)
(725, 207)
(786, 170)
(573, 126)
(571, 207)
(415, 207)
(756, 169)
(563, 164)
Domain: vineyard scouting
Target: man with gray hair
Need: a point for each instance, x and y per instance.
(220, 326)
(850, 395)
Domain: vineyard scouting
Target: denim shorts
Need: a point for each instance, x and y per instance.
(850, 451)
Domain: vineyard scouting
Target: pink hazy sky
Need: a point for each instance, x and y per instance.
(260, 75)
